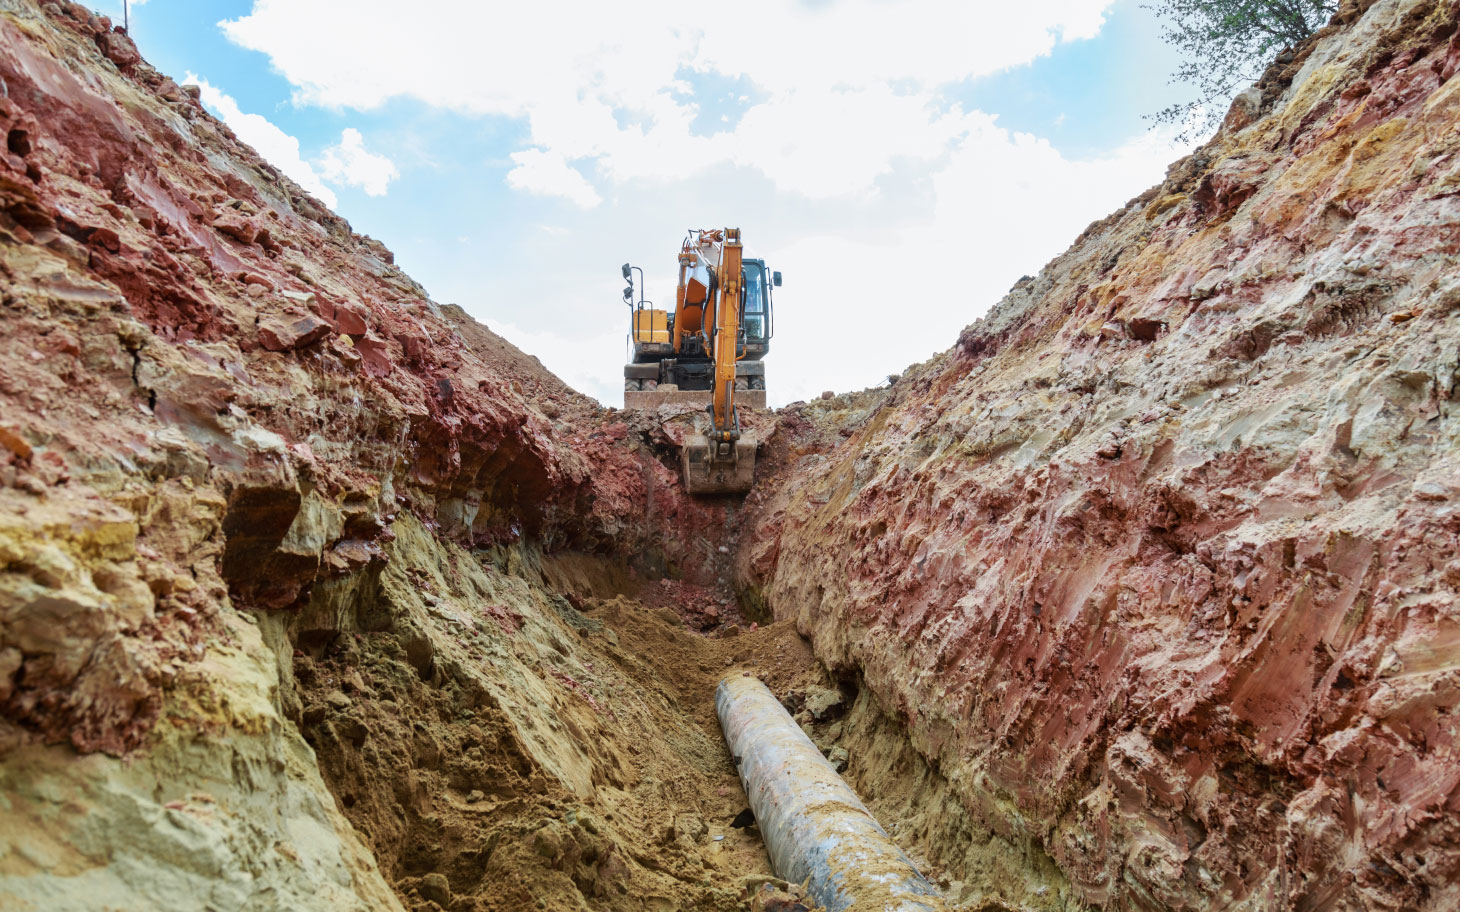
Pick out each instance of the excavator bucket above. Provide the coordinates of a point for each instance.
(718, 468)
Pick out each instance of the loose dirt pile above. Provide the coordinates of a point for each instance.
(500, 749)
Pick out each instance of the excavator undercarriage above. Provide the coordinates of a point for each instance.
(670, 394)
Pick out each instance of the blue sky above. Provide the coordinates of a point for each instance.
(903, 162)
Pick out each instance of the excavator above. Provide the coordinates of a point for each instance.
(707, 352)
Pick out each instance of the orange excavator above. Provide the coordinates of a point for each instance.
(708, 352)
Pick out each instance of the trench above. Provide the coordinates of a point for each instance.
(509, 730)
(1203, 668)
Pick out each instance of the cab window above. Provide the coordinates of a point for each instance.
(754, 314)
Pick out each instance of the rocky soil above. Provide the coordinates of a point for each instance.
(299, 569)
(316, 594)
(1157, 566)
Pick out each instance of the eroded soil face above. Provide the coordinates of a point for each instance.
(276, 625)
(500, 749)
(315, 594)
(1158, 563)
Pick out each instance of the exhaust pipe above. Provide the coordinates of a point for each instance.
(815, 828)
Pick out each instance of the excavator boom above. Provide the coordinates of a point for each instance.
(727, 329)
(722, 461)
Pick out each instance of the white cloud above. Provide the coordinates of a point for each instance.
(348, 163)
(849, 88)
(547, 174)
(1006, 203)
(277, 147)
(855, 137)
(897, 216)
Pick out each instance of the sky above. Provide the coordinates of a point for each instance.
(901, 162)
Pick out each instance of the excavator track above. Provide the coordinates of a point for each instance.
(649, 400)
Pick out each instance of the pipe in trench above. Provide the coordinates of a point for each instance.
(815, 828)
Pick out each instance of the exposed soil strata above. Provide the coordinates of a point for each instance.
(310, 394)
(228, 425)
(1157, 565)
(478, 728)
(316, 594)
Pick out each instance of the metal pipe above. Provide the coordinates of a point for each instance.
(815, 828)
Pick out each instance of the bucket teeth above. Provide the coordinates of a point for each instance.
(707, 470)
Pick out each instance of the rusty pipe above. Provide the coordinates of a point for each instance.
(815, 828)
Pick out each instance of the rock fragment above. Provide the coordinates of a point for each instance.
(287, 334)
(436, 888)
(15, 443)
(237, 227)
(350, 319)
(119, 49)
(824, 703)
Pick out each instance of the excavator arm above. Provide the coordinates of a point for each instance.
(721, 461)
(727, 332)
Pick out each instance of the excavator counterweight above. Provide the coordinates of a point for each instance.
(707, 352)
